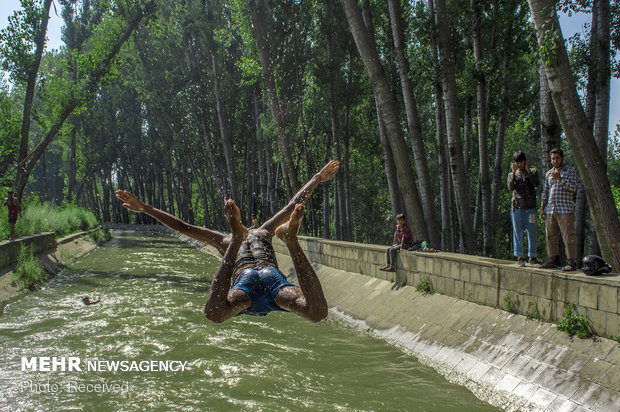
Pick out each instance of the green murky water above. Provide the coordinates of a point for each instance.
(153, 291)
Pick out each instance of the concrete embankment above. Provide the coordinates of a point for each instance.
(52, 253)
(506, 359)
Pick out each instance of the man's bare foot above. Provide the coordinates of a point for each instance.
(233, 214)
(288, 231)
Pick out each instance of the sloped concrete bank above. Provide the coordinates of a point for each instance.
(52, 253)
(506, 359)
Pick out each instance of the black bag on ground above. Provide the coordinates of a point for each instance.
(595, 265)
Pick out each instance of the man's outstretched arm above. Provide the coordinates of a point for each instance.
(212, 237)
(328, 172)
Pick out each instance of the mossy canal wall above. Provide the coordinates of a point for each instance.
(506, 359)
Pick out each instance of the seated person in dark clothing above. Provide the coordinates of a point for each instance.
(402, 240)
(258, 287)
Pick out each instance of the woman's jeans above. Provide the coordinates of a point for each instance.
(524, 219)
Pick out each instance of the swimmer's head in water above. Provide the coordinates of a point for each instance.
(85, 300)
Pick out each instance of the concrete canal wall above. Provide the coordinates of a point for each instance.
(506, 359)
(496, 283)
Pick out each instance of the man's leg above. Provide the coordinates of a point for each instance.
(567, 228)
(308, 301)
(552, 237)
(391, 258)
(517, 232)
(530, 217)
(281, 217)
(222, 302)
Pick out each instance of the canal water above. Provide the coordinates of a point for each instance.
(153, 289)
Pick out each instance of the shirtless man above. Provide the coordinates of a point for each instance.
(259, 287)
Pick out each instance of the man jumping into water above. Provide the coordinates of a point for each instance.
(259, 287)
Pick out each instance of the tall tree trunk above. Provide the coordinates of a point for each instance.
(550, 128)
(447, 229)
(33, 73)
(277, 108)
(413, 123)
(347, 140)
(455, 146)
(213, 161)
(502, 122)
(581, 204)
(72, 164)
(483, 130)
(575, 124)
(44, 167)
(396, 196)
(326, 208)
(603, 84)
(366, 47)
(272, 178)
(468, 131)
(227, 143)
(468, 103)
(333, 70)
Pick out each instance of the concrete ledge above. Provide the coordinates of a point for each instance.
(9, 250)
(528, 291)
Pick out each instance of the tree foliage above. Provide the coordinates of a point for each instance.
(182, 116)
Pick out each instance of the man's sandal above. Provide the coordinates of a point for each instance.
(547, 265)
(569, 268)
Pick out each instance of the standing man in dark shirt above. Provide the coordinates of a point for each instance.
(522, 181)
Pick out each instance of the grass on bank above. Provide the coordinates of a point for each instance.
(425, 286)
(102, 234)
(44, 217)
(575, 324)
(28, 274)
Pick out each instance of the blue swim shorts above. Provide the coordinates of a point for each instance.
(262, 285)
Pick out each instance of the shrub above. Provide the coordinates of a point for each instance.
(28, 274)
(425, 286)
(575, 324)
(102, 234)
(508, 304)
